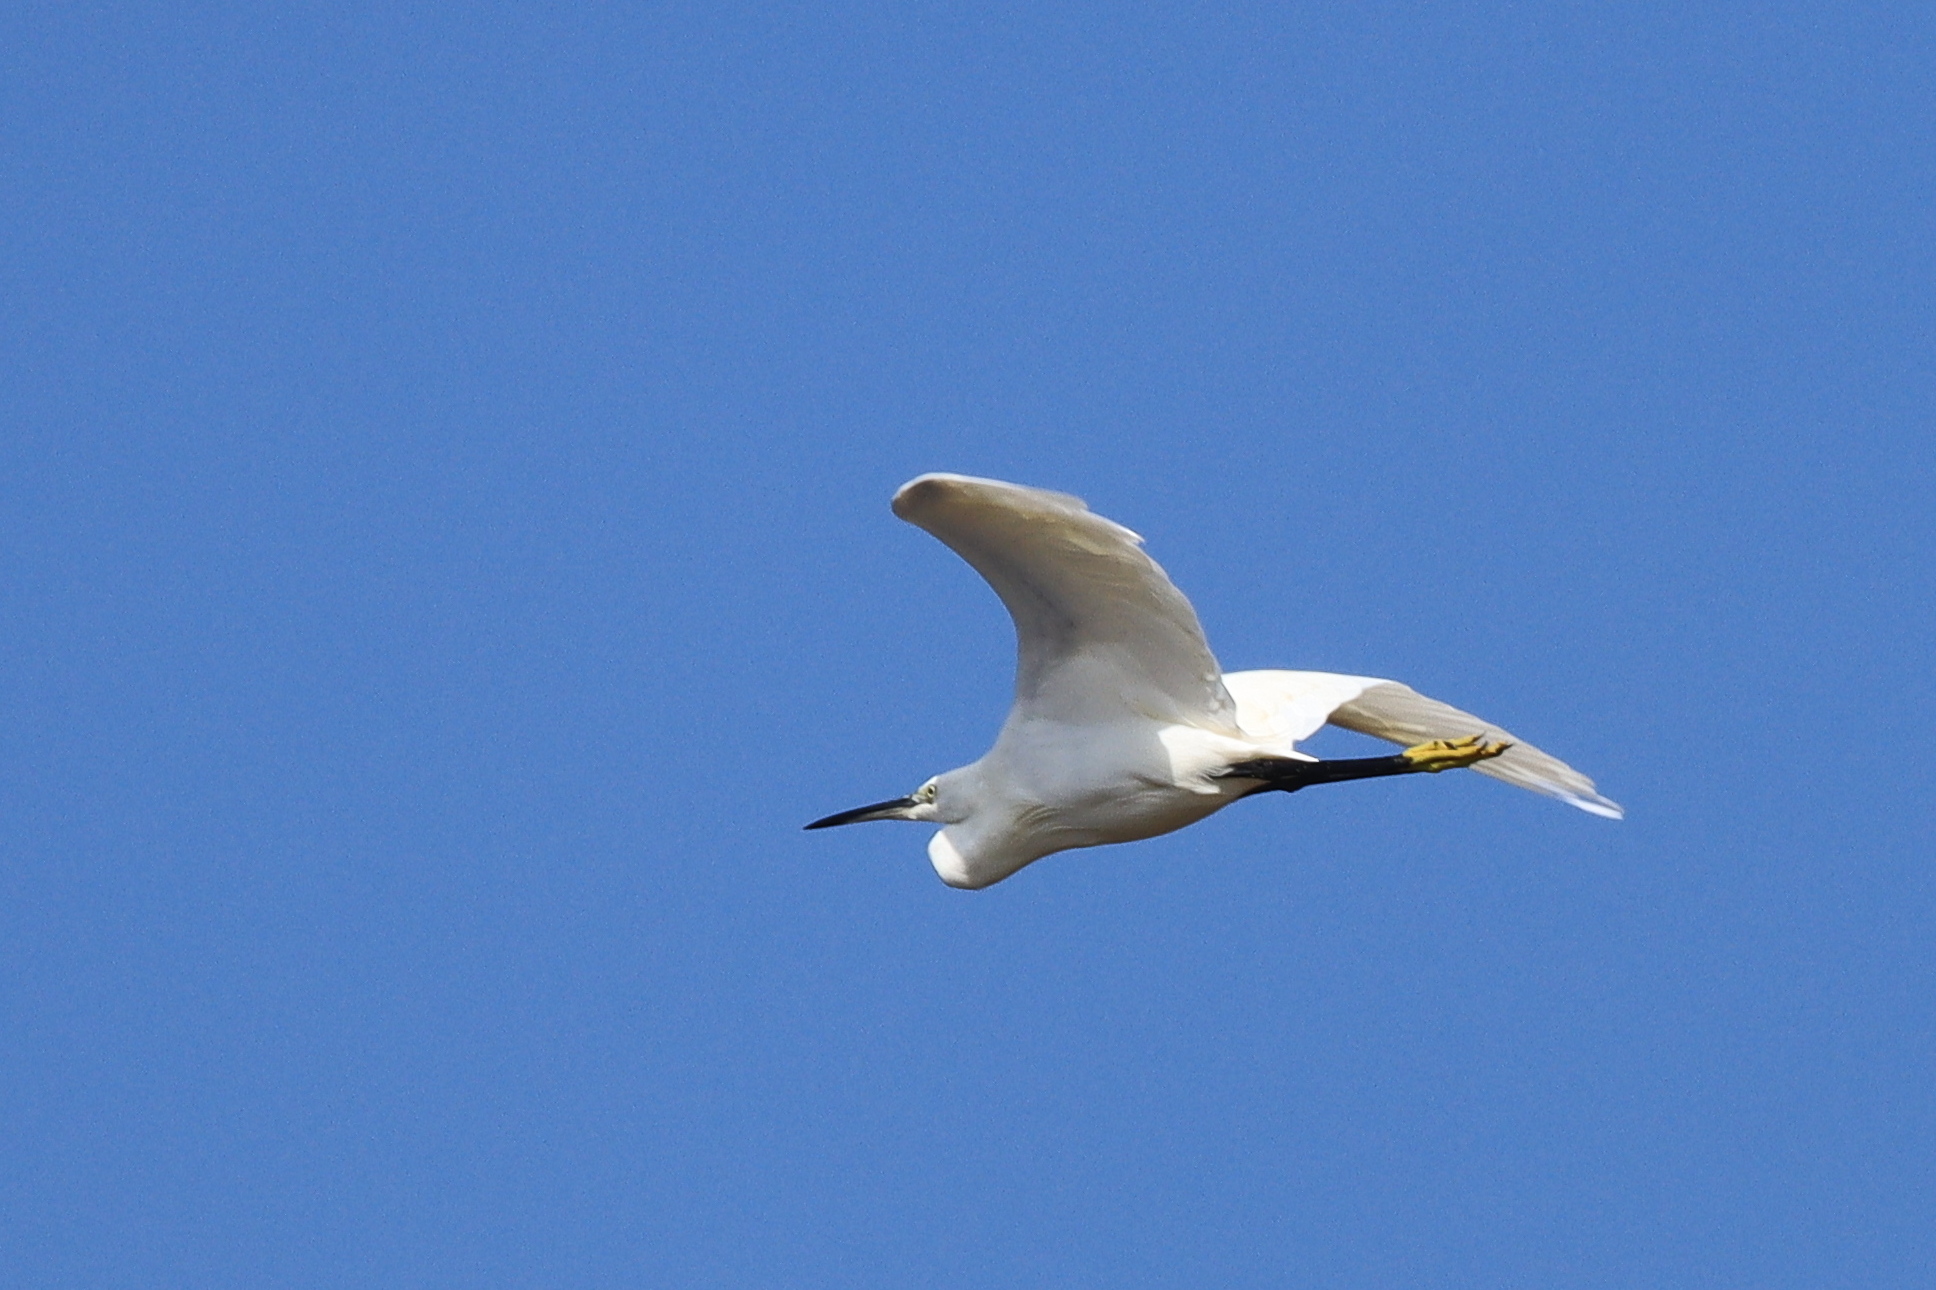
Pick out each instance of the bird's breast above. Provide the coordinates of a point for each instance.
(1085, 785)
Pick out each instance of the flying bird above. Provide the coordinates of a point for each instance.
(1123, 726)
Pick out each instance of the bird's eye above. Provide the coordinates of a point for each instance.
(926, 793)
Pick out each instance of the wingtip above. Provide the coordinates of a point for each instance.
(910, 494)
(933, 487)
(1605, 808)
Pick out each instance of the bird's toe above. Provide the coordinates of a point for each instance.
(1450, 754)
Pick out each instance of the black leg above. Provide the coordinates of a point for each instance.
(1286, 775)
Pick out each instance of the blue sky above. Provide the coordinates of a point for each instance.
(443, 496)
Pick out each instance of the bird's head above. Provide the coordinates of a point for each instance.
(930, 802)
(978, 848)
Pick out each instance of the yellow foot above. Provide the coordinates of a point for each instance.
(1450, 754)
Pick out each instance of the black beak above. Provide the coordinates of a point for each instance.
(862, 814)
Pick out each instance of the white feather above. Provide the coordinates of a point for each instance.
(1123, 725)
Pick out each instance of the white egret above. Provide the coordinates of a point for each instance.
(1123, 726)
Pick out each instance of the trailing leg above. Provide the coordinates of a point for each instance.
(1288, 775)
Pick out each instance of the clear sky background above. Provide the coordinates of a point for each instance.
(445, 558)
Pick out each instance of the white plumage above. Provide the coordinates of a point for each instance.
(1123, 725)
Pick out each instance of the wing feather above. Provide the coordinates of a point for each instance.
(1404, 716)
(1100, 629)
(1291, 705)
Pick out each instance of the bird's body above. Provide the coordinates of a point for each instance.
(1124, 727)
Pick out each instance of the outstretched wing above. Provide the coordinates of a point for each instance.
(1101, 631)
(1289, 706)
